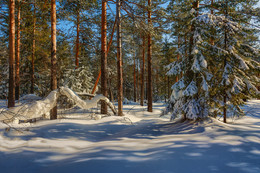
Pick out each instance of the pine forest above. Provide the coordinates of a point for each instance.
(130, 86)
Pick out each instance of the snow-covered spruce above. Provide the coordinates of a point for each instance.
(39, 108)
(79, 80)
(205, 79)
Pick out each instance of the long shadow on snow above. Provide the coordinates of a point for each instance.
(94, 133)
(147, 129)
(167, 157)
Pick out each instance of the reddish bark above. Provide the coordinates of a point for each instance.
(11, 91)
(17, 58)
(53, 114)
(108, 47)
(104, 55)
(96, 83)
(142, 73)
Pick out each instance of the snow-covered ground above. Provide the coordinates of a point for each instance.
(137, 143)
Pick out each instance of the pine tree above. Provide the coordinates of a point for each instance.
(17, 57)
(119, 60)
(11, 91)
(104, 55)
(53, 114)
(149, 61)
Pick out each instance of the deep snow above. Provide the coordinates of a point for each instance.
(147, 143)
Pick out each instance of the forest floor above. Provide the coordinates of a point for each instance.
(139, 142)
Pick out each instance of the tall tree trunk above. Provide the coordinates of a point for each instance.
(53, 114)
(108, 47)
(17, 58)
(33, 49)
(11, 91)
(225, 63)
(149, 61)
(119, 60)
(134, 81)
(110, 90)
(104, 55)
(143, 73)
(77, 44)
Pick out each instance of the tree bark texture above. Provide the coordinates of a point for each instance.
(142, 73)
(53, 114)
(104, 55)
(17, 58)
(11, 91)
(149, 61)
(119, 60)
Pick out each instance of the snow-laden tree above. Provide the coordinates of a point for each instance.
(79, 80)
(190, 94)
(215, 76)
(233, 65)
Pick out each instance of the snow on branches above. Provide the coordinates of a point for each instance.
(218, 63)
